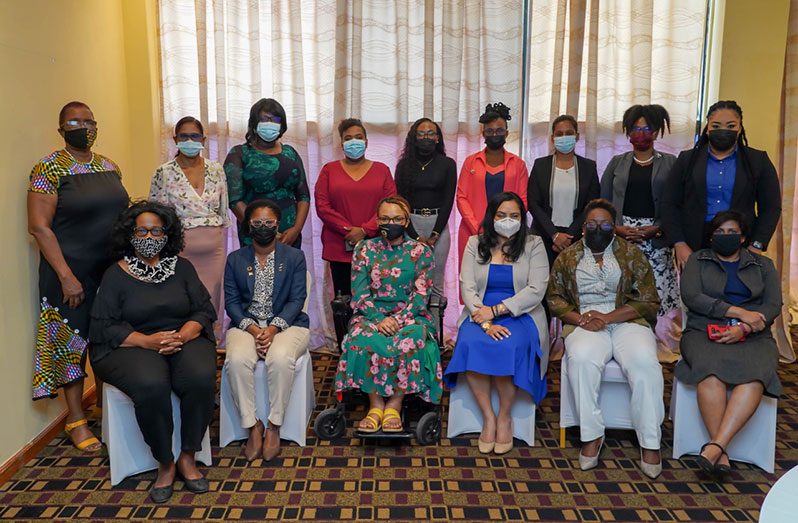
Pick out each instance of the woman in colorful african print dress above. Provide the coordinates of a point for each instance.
(390, 349)
(74, 198)
(266, 168)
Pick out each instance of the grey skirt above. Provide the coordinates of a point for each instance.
(755, 359)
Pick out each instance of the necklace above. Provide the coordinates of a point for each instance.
(643, 162)
(160, 272)
(424, 165)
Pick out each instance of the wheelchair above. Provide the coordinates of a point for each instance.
(420, 420)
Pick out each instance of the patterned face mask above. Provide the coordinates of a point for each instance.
(148, 247)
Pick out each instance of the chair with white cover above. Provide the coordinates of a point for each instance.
(297, 413)
(615, 399)
(465, 415)
(128, 454)
(755, 443)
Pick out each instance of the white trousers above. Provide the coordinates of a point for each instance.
(634, 347)
(240, 362)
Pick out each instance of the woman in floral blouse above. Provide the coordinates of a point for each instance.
(390, 349)
(197, 189)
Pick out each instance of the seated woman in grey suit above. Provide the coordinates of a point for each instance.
(265, 287)
(503, 336)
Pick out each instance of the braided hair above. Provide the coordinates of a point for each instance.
(703, 140)
(656, 117)
(404, 167)
(495, 111)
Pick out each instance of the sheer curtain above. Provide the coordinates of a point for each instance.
(385, 62)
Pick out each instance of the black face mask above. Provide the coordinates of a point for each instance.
(392, 231)
(722, 139)
(495, 142)
(80, 138)
(263, 235)
(598, 239)
(726, 244)
(425, 146)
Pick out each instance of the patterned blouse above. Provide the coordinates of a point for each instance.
(47, 173)
(170, 186)
(597, 283)
(252, 174)
(261, 306)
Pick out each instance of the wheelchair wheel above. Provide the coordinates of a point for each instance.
(428, 428)
(330, 424)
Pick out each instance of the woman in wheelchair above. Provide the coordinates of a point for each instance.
(732, 296)
(603, 290)
(152, 333)
(391, 348)
(265, 285)
(503, 335)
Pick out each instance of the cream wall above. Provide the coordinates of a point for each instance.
(752, 66)
(96, 51)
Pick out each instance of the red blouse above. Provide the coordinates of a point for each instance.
(342, 202)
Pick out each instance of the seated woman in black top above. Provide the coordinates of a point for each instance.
(427, 179)
(152, 333)
(738, 290)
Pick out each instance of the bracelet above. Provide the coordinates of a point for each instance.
(435, 234)
(493, 310)
(485, 325)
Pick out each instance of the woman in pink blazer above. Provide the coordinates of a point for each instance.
(488, 172)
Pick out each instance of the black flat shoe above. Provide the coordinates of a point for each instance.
(197, 486)
(161, 494)
(708, 466)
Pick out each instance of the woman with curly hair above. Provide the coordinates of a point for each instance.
(427, 179)
(152, 333)
(487, 173)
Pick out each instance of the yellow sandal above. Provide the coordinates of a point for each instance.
(374, 420)
(84, 445)
(392, 414)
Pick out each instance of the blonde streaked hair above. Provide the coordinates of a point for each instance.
(396, 200)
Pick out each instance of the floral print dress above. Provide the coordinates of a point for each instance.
(391, 281)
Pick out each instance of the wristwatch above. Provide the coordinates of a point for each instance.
(485, 325)
(757, 245)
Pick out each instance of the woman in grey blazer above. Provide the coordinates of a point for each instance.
(634, 182)
(503, 336)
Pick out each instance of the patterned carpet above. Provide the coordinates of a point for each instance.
(349, 480)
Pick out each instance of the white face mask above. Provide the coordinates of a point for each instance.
(507, 226)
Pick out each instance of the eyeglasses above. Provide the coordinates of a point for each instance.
(194, 137)
(262, 223)
(592, 225)
(495, 132)
(156, 232)
(428, 134)
(645, 129)
(384, 220)
(77, 124)
(270, 118)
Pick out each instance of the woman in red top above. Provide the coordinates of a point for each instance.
(488, 172)
(347, 193)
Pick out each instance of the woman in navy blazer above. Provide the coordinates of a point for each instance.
(265, 286)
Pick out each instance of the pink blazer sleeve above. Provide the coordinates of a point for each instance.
(522, 182)
(463, 190)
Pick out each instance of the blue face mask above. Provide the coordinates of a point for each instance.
(355, 149)
(565, 144)
(268, 131)
(189, 148)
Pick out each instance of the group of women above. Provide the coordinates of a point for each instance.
(143, 286)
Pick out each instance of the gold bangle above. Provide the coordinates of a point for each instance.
(485, 325)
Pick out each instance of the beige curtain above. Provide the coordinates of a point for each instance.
(385, 62)
(786, 256)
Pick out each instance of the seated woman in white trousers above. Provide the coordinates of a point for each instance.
(265, 286)
(603, 290)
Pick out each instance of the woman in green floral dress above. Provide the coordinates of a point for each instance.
(266, 168)
(390, 349)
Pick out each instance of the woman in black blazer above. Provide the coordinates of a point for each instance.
(560, 186)
(720, 173)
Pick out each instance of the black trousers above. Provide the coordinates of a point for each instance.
(149, 378)
(341, 277)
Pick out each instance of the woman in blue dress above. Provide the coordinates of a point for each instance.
(503, 339)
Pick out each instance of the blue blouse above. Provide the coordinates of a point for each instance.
(720, 183)
(736, 292)
(494, 183)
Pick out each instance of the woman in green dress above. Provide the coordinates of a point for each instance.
(391, 348)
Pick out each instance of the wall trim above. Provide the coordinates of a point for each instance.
(16, 462)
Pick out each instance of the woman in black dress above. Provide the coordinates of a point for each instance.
(152, 333)
(74, 198)
(738, 290)
(427, 179)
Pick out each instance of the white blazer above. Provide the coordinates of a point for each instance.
(530, 280)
